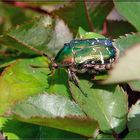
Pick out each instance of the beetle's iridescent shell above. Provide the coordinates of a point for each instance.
(65, 56)
(87, 55)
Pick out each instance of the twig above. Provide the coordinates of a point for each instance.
(88, 18)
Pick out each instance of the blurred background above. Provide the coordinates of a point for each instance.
(99, 16)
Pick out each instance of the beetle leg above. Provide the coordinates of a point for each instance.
(74, 78)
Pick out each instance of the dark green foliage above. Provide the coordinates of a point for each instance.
(39, 102)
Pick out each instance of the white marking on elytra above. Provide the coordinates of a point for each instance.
(92, 43)
(97, 39)
(108, 50)
(105, 42)
(94, 49)
(102, 59)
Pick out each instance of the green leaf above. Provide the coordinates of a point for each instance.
(26, 37)
(105, 136)
(102, 136)
(98, 13)
(106, 104)
(134, 116)
(127, 41)
(71, 15)
(55, 111)
(49, 105)
(59, 84)
(129, 64)
(20, 130)
(123, 44)
(21, 80)
(53, 133)
(82, 34)
(45, 34)
(61, 35)
(7, 64)
(124, 28)
(130, 11)
(133, 135)
(2, 122)
(10, 16)
(135, 85)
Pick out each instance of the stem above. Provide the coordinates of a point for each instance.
(87, 16)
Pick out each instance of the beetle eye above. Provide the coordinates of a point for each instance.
(66, 44)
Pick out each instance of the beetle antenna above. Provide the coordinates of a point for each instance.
(41, 53)
(44, 54)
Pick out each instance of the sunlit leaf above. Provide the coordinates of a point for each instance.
(21, 80)
(106, 104)
(127, 68)
(55, 111)
(26, 37)
(82, 34)
(134, 85)
(127, 41)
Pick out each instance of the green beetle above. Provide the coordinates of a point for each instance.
(87, 55)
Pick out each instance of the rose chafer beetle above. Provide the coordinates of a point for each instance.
(86, 55)
(94, 56)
